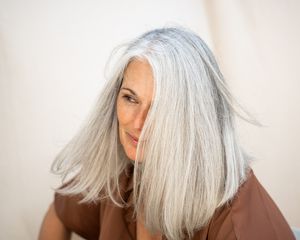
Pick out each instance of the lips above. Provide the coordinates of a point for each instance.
(135, 139)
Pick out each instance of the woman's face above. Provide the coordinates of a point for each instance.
(133, 102)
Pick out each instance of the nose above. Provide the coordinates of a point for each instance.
(140, 118)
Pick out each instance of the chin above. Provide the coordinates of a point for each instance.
(130, 153)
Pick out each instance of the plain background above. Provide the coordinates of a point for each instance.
(52, 58)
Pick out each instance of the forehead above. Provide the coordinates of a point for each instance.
(138, 76)
(138, 69)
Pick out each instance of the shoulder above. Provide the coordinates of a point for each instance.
(251, 214)
(82, 218)
(255, 215)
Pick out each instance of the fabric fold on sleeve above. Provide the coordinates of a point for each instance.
(82, 218)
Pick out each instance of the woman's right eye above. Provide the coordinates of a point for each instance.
(129, 99)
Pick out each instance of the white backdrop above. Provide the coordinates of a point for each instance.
(52, 57)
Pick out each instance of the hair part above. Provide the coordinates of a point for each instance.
(191, 160)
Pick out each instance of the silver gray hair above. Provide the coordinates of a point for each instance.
(191, 162)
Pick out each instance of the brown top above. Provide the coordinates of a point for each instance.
(251, 215)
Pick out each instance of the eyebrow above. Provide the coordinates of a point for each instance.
(130, 90)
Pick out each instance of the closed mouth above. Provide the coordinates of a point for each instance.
(133, 138)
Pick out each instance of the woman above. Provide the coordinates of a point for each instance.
(159, 158)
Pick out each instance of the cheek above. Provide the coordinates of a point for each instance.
(121, 114)
(125, 114)
(124, 120)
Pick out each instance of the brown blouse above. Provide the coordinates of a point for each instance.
(252, 215)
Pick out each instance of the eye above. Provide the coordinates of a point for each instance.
(129, 98)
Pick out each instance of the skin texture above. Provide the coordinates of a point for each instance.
(133, 102)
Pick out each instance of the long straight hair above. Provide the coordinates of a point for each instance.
(191, 162)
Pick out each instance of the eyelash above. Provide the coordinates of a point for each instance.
(129, 99)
